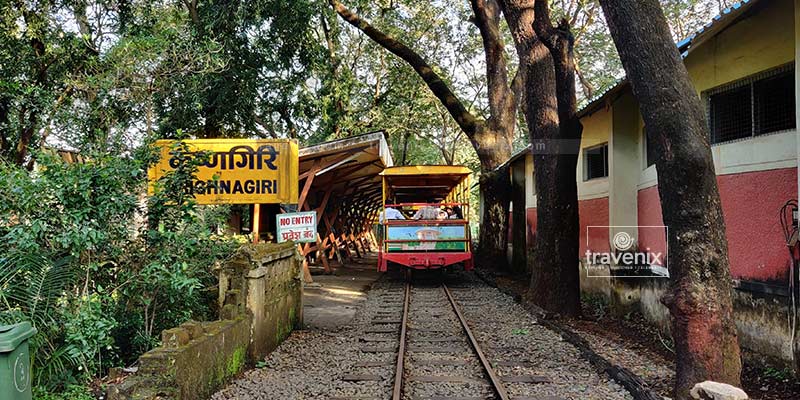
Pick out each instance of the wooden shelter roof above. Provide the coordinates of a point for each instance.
(340, 180)
(347, 167)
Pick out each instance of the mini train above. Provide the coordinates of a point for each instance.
(424, 223)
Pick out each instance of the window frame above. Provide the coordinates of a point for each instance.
(605, 154)
(749, 82)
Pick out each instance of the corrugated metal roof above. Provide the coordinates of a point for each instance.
(595, 102)
(519, 153)
(726, 16)
(717, 23)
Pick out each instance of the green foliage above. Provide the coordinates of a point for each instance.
(685, 17)
(93, 200)
(45, 281)
(87, 331)
(31, 286)
(98, 74)
(62, 228)
(165, 282)
(777, 373)
(71, 392)
(259, 41)
(99, 289)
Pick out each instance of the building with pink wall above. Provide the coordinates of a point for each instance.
(743, 67)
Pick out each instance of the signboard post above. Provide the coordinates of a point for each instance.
(300, 227)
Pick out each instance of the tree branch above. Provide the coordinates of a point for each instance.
(79, 13)
(191, 6)
(487, 19)
(466, 121)
(559, 41)
(263, 124)
(588, 89)
(518, 86)
(330, 40)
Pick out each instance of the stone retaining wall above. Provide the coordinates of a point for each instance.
(266, 280)
(260, 293)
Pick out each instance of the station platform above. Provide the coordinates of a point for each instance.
(330, 302)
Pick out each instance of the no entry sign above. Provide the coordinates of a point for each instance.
(298, 227)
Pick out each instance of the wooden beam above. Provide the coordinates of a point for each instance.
(323, 258)
(320, 247)
(337, 164)
(329, 221)
(355, 245)
(307, 185)
(328, 163)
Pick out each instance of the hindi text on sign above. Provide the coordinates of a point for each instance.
(235, 171)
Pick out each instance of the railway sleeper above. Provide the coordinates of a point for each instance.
(362, 378)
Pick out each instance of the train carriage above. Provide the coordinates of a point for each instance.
(425, 242)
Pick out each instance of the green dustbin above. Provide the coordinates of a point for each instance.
(15, 361)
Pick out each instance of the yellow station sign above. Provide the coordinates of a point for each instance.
(236, 171)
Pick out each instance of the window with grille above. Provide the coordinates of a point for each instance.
(754, 106)
(595, 160)
(774, 103)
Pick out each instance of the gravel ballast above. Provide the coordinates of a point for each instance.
(358, 361)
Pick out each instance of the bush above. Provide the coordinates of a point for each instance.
(97, 272)
(71, 392)
(87, 332)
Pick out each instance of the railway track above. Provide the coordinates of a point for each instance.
(442, 351)
(437, 356)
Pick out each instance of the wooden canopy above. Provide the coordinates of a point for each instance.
(340, 180)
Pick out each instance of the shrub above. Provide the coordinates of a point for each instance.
(97, 272)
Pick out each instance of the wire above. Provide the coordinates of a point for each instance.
(790, 229)
(787, 220)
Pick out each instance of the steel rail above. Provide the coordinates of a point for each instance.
(497, 385)
(401, 350)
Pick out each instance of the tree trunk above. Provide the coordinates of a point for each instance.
(406, 138)
(560, 44)
(5, 109)
(494, 149)
(493, 236)
(555, 279)
(699, 298)
(28, 128)
(211, 127)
